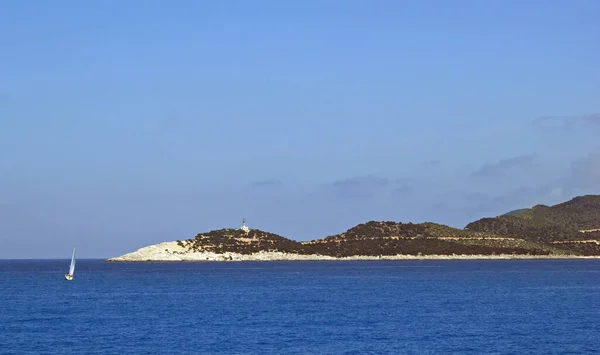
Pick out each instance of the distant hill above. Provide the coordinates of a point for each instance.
(392, 238)
(561, 222)
(369, 239)
(581, 212)
(238, 241)
(517, 213)
(374, 230)
(567, 229)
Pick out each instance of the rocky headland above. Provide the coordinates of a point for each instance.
(567, 230)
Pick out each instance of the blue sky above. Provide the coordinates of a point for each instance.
(123, 124)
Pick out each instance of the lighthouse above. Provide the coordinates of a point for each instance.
(244, 227)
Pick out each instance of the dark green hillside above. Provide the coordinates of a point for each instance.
(423, 246)
(516, 227)
(546, 224)
(582, 248)
(375, 230)
(391, 238)
(582, 212)
(440, 230)
(237, 241)
(541, 230)
(372, 239)
(517, 213)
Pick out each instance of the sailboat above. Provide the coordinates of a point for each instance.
(69, 275)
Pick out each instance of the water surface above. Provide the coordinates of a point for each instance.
(339, 307)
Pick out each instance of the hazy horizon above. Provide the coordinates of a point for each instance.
(124, 124)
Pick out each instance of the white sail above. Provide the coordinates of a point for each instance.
(72, 267)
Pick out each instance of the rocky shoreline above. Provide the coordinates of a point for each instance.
(173, 252)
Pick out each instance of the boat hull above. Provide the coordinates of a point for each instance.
(68, 277)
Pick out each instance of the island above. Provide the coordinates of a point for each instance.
(563, 231)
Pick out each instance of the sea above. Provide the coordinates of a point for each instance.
(318, 307)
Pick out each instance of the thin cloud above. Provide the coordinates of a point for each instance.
(357, 187)
(523, 197)
(583, 177)
(585, 173)
(432, 162)
(267, 183)
(503, 167)
(368, 181)
(566, 122)
(404, 191)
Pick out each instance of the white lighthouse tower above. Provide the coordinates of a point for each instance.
(244, 227)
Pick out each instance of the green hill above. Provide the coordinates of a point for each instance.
(392, 238)
(518, 212)
(561, 222)
(238, 241)
(541, 230)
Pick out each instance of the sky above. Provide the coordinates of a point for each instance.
(128, 123)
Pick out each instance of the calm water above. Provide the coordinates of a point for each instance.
(376, 307)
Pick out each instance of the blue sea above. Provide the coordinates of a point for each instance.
(341, 307)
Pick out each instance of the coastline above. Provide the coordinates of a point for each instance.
(171, 252)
